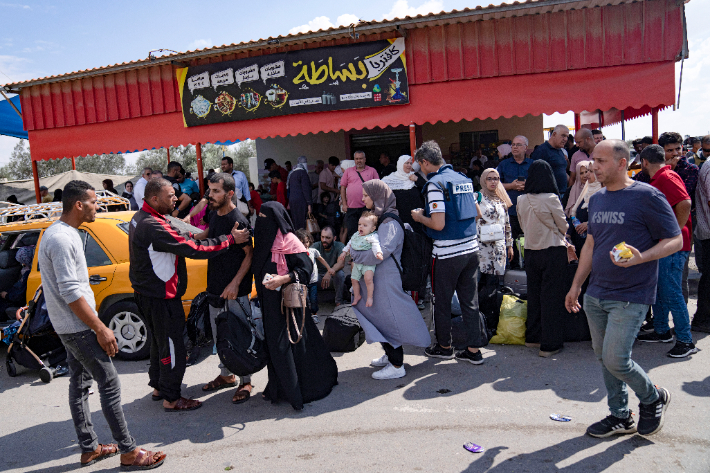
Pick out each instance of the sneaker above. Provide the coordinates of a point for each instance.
(435, 351)
(651, 415)
(467, 355)
(682, 349)
(612, 425)
(389, 372)
(548, 354)
(380, 362)
(315, 318)
(421, 306)
(655, 337)
(647, 327)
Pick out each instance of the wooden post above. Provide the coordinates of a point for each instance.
(412, 138)
(73, 163)
(654, 125)
(168, 150)
(577, 122)
(200, 172)
(35, 175)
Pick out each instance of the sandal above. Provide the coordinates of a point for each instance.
(145, 460)
(102, 452)
(242, 395)
(184, 404)
(217, 384)
(159, 397)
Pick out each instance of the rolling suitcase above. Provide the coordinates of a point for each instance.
(517, 280)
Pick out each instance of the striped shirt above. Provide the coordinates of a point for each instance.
(447, 248)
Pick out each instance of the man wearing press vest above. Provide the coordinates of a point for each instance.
(449, 217)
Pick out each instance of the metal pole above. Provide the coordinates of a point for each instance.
(2, 91)
(168, 150)
(73, 163)
(35, 175)
(200, 172)
(412, 138)
(654, 125)
(623, 128)
(577, 122)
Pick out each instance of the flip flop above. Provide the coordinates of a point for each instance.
(217, 384)
(241, 390)
(145, 460)
(159, 397)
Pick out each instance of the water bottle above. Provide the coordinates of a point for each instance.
(576, 223)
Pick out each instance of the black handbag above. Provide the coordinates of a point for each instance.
(239, 347)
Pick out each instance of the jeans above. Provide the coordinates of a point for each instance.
(614, 326)
(669, 297)
(337, 281)
(313, 297)
(234, 307)
(88, 361)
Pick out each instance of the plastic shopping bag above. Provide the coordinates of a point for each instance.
(511, 325)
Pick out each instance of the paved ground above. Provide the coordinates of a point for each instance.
(417, 423)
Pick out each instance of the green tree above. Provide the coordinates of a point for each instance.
(101, 164)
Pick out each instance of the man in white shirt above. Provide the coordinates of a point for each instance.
(139, 188)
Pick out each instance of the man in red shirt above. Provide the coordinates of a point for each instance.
(669, 296)
(351, 190)
(270, 165)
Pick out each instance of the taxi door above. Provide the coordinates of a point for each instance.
(101, 268)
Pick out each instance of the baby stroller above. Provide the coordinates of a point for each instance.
(36, 345)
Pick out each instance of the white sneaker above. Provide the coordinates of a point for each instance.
(390, 372)
(380, 362)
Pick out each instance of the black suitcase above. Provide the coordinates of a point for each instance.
(342, 331)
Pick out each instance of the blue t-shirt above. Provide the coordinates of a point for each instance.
(188, 186)
(640, 216)
(510, 171)
(556, 159)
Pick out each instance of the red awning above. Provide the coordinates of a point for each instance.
(597, 119)
(636, 86)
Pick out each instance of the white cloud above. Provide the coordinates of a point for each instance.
(200, 44)
(15, 5)
(15, 69)
(323, 23)
(7, 144)
(401, 8)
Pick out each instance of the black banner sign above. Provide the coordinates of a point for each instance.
(314, 80)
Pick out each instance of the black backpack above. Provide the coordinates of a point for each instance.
(416, 257)
(239, 348)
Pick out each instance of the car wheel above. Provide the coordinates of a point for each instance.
(131, 331)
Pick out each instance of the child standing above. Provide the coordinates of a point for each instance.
(314, 255)
(366, 238)
(280, 188)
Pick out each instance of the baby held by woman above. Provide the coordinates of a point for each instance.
(366, 238)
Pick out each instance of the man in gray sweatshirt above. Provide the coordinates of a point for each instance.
(89, 343)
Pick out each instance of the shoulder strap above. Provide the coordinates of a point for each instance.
(401, 224)
(358, 173)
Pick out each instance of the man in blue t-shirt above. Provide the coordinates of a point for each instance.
(620, 293)
(551, 151)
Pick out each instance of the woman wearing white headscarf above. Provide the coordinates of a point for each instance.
(492, 257)
(580, 208)
(406, 186)
(582, 174)
(300, 200)
(504, 151)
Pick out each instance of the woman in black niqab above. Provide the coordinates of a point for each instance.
(540, 179)
(306, 371)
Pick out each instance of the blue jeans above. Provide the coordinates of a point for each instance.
(669, 297)
(313, 297)
(614, 326)
(88, 361)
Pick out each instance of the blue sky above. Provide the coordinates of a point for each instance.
(42, 38)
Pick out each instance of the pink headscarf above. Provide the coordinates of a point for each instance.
(285, 246)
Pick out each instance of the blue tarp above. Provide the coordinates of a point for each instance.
(10, 121)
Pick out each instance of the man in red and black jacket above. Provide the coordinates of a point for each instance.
(159, 278)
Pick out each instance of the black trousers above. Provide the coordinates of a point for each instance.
(546, 271)
(459, 274)
(516, 230)
(395, 355)
(702, 315)
(166, 321)
(351, 218)
(488, 299)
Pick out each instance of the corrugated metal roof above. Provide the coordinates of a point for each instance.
(339, 35)
(442, 47)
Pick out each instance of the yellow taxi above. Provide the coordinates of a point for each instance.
(107, 257)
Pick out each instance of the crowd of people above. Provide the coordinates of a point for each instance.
(566, 201)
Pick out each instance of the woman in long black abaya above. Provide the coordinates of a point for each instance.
(303, 372)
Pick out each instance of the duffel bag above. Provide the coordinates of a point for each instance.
(342, 331)
(239, 347)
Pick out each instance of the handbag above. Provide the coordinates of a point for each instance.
(491, 232)
(294, 297)
(312, 224)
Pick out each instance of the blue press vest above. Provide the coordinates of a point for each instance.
(459, 204)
